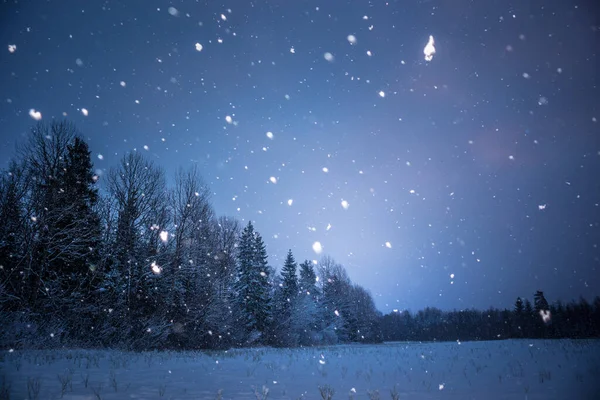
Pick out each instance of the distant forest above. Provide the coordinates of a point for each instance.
(143, 265)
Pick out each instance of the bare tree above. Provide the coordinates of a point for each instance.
(138, 189)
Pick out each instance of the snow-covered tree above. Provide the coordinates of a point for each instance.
(252, 285)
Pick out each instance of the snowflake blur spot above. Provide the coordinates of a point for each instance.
(146, 147)
(337, 313)
(85, 112)
(429, 49)
(345, 204)
(122, 83)
(12, 48)
(441, 386)
(325, 169)
(199, 47)
(100, 157)
(381, 93)
(317, 248)
(173, 11)
(290, 202)
(546, 316)
(351, 39)
(155, 268)
(35, 114)
(328, 56)
(228, 119)
(388, 245)
(542, 207)
(270, 135)
(164, 236)
(273, 179)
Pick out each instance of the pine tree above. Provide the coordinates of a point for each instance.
(308, 279)
(252, 286)
(289, 279)
(519, 307)
(243, 284)
(80, 194)
(262, 288)
(540, 302)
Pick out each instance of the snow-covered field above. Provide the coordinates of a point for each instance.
(512, 369)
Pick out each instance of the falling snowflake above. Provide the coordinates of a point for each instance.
(328, 227)
(345, 204)
(546, 316)
(12, 48)
(273, 179)
(100, 157)
(173, 11)
(337, 313)
(228, 119)
(388, 245)
(351, 39)
(155, 268)
(35, 114)
(199, 47)
(223, 17)
(451, 276)
(381, 93)
(325, 169)
(441, 386)
(270, 135)
(122, 83)
(369, 53)
(146, 147)
(328, 56)
(317, 248)
(290, 202)
(542, 207)
(85, 112)
(429, 49)
(164, 236)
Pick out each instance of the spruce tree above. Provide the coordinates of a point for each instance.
(540, 302)
(252, 285)
(289, 279)
(262, 273)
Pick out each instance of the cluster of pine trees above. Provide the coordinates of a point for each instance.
(540, 320)
(143, 265)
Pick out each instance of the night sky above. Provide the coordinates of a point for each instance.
(463, 181)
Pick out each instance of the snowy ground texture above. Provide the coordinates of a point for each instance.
(512, 369)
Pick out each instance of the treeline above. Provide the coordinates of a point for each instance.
(144, 265)
(540, 320)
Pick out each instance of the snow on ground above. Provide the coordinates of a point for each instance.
(511, 369)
